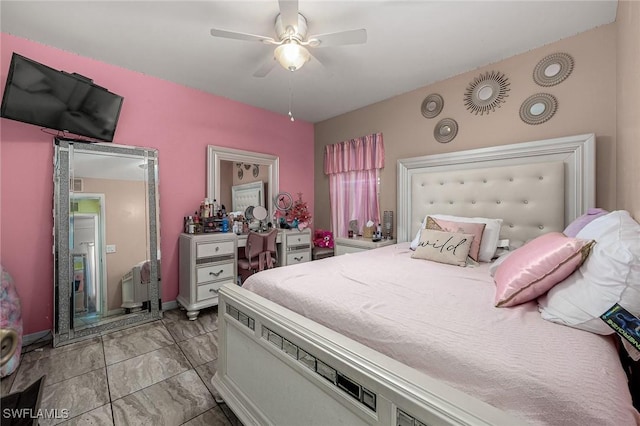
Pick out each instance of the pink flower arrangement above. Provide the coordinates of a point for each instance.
(299, 213)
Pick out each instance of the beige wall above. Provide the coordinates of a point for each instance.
(628, 107)
(227, 170)
(126, 226)
(229, 177)
(586, 104)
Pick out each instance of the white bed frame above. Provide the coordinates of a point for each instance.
(276, 367)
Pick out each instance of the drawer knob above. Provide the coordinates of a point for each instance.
(216, 274)
(217, 248)
(213, 290)
(298, 259)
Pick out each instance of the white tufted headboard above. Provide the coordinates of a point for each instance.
(247, 194)
(535, 187)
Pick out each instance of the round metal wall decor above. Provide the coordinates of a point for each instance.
(432, 105)
(446, 130)
(553, 69)
(538, 108)
(486, 92)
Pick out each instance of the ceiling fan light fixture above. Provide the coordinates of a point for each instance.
(291, 55)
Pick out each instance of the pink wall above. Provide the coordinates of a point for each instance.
(180, 122)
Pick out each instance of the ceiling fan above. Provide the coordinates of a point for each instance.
(291, 39)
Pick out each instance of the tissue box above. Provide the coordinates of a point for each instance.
(367, 231)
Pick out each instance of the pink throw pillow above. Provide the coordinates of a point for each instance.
(475, 229)
(537, 266)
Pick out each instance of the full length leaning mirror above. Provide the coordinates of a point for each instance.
(106, 238)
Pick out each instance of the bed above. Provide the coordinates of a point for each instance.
(379, 338)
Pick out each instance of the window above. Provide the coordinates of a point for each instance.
(353, 168)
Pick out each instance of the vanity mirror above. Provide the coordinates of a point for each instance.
(106, 238)
(222, 176)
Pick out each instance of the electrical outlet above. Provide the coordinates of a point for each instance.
(111, 248)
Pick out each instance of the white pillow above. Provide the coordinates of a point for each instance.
(611, 274)
(490, 235)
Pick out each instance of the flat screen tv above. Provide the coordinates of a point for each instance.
(39, 95)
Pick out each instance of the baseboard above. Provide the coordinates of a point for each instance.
(167, 306)
(40, 336)
(45, 335)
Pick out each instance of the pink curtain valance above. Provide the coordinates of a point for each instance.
(365, 153)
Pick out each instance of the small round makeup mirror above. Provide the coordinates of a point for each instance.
(260, 213)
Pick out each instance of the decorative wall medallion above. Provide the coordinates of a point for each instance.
(256, 170)
(538, 108)
(486, 92)
(432, 105)
(553, 69)
(240, 173)
(445, 130)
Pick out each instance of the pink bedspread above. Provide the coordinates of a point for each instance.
(440, 320)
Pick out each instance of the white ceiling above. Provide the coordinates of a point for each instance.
(102, 165)
(410, 43)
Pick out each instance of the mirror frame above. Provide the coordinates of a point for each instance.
(63, 332)
(215, 154)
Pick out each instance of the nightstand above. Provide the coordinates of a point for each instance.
(356, 244)
(296, 246)
(207, 262)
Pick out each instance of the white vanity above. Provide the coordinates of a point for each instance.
(208, 261)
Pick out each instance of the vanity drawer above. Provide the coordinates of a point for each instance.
(298, 257)
(217, 248)
(215, 272)
(299, 240)
(207, 291)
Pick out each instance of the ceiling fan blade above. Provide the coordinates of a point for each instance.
(289, 13)
(242, 36)
(322, 66)
(266, 67)
(339, 39)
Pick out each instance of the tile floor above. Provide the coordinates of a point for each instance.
(157, 374)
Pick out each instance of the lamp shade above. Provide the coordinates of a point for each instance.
(291, 55)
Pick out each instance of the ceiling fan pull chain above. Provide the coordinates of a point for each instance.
(290, 97)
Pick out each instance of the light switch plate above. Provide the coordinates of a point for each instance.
(111, 248)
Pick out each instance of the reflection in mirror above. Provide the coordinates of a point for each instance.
(106, 238)
(552, 70)
(223, 174)
(445, 130)
(537, 108)
(431, 106)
